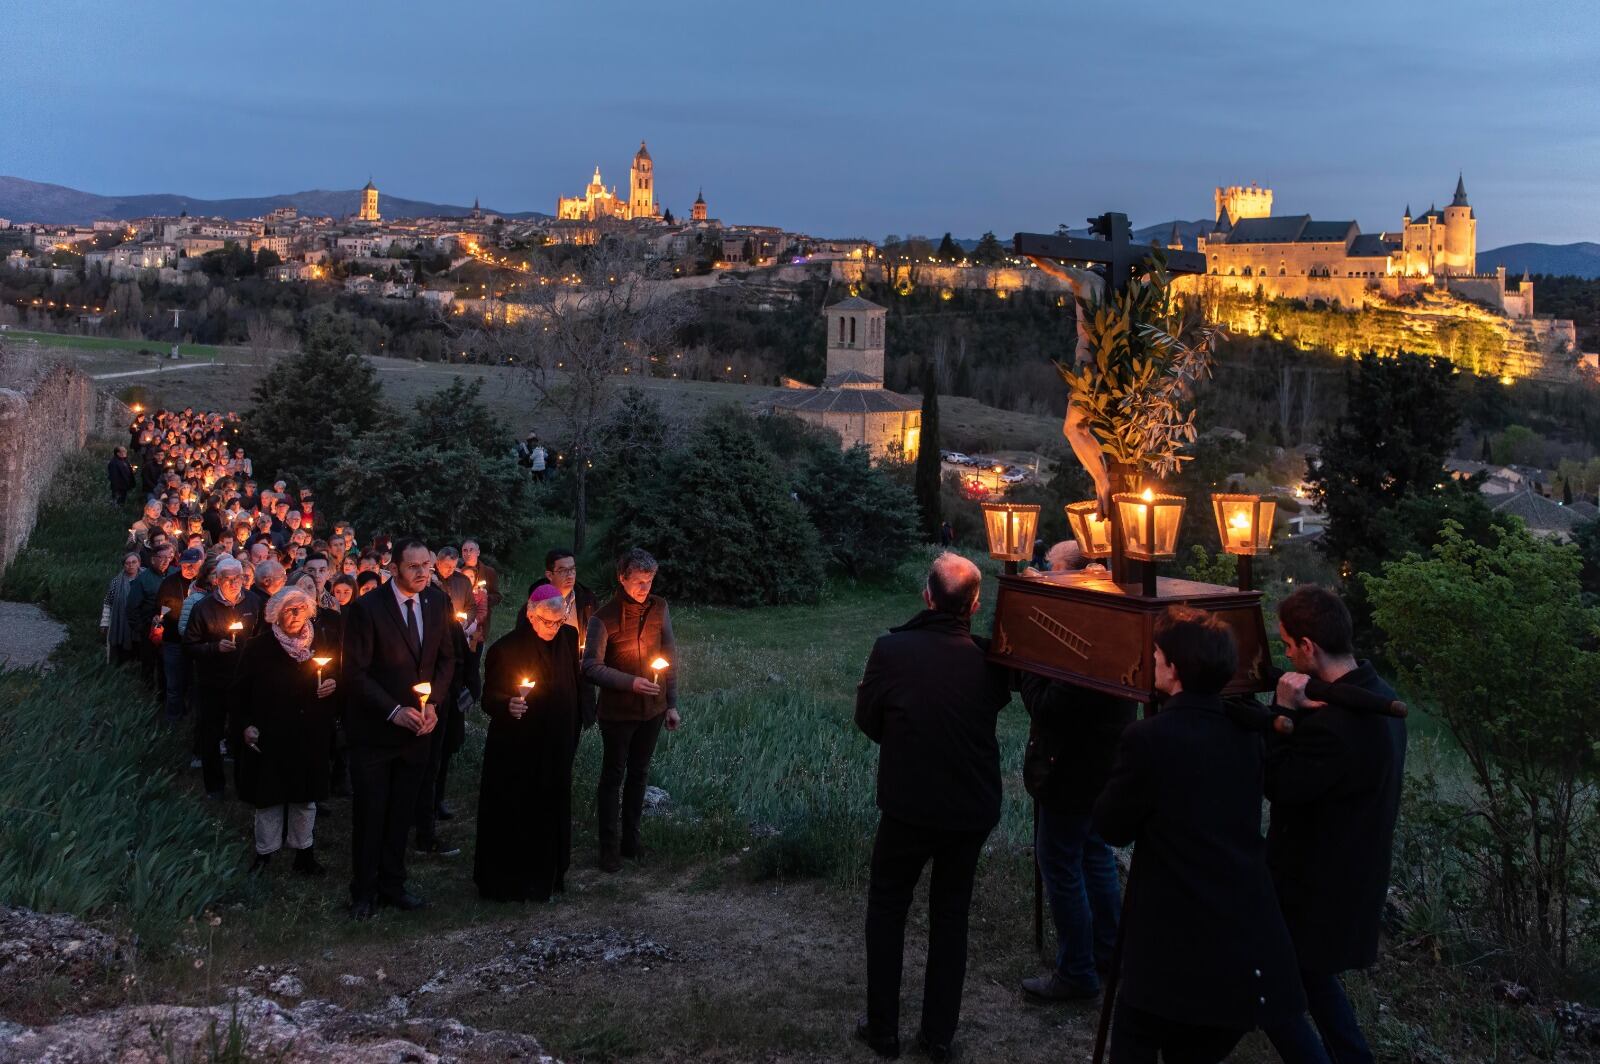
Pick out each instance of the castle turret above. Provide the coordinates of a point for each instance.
(1236, 201)
(642, 185)
(1175, 239)
(1460, 234)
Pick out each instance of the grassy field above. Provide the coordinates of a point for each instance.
(221, 378)
(738, 938)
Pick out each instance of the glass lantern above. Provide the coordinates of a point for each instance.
(1244, 523)
(1149, 522)
(1011, 527)
(1090, 528)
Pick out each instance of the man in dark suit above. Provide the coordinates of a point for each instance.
(120, 474)
(394, 639)
(1206, 956)
(929, 699)
(1335, 786)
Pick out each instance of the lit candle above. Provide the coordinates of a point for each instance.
(526, 685)
(1239, 530)
(321, 663)
(423, 690)
(658, 665)
(462, 617)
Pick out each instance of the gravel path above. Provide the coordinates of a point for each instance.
(27, 635)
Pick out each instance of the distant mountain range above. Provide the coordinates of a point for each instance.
(33, 201)
(1576, 260)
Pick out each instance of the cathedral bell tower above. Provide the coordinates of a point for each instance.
(642, 185)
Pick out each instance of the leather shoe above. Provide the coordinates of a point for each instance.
(938, 1052)
(439, 848)
(1054, 988)
(364, 909)
(888, 1048)
(405, 901)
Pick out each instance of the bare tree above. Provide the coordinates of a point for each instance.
(577, 338)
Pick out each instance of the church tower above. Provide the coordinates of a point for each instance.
(697, 213)
(1460, 234)
(369, 203)
(855, 342)
(642, 185)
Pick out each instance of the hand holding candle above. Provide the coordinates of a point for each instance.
(322, 663)
(233, 636)
(519, 705)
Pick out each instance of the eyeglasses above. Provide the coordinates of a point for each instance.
(564, 570)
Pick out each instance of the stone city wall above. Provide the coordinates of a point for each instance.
(42, 420)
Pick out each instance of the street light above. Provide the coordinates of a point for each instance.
(1149, 522)
(1244, 525)
(1010, 526)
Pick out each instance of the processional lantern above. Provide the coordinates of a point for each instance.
(1090, 528)
(1244, 525)
(1011, 527)
(1149, 521)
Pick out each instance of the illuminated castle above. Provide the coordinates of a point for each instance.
(599, 202)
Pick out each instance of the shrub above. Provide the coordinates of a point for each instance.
(720, 519)
(864, 519)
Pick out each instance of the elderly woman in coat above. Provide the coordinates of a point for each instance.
(284, 699)
(116, 612)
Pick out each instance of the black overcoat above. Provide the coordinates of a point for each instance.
(278, 695)
(930, 700)
(1335, 787)
(525, 801)
(1204, 940)
(381, 668)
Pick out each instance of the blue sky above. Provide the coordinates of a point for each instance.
(865, 118)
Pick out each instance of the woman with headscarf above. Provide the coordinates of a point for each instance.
(115, 612)
(288, 725)
(530, 692)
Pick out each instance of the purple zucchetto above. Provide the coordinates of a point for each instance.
(543, 592)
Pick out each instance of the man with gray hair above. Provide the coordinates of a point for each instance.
(269, 580)
(929, 699)
(218, 625)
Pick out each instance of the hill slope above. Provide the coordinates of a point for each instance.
(22, 200)
(1575, 260)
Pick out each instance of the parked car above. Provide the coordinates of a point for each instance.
(955, 457)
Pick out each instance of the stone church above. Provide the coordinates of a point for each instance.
(852, 400)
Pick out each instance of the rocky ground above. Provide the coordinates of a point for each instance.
(28, 635)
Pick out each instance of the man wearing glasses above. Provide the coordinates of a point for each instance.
(561, 571)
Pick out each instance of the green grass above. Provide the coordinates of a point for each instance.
(112, 343)
(92, 819)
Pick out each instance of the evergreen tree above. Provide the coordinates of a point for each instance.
(311, 405)
(948, 250)
(989, 252)
(929, 467)
(1399, 424)
(863, 517)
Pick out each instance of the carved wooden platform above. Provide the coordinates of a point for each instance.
(1084, 629)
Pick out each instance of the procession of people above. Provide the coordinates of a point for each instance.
(320, 668)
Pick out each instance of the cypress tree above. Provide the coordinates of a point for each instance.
(929, 469)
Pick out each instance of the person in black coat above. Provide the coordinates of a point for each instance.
(561, 571)
(930, 700)
(394, 638)
(525, 802)
(1334, 784)
(286, 725)
(120, 473)
(218, 626)
(1206, 955)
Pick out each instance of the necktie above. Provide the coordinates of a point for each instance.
(411, 625)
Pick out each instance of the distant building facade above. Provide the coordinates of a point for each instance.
(598, 202)
(369, 204)
(852, 400)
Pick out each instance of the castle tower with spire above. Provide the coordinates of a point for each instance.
(1460, 234)
(697, 213)
(642, 185)
(369, 204)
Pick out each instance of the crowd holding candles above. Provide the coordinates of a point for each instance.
(322, 670)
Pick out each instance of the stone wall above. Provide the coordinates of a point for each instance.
(42, 420)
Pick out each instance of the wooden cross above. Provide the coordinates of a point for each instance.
(1111, 246)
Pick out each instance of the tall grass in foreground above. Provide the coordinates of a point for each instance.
(92, 821)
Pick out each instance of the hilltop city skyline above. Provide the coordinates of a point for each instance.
(834, 120)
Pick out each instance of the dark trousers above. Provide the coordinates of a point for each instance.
(899, 854)
(152, 669)
(1140, 1037)
(425, 813)
(210, 722)
(624, 771)
(1336, 1033)
(1080, 879)
(385, 781)
(178, 668)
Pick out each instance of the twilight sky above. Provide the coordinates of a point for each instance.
(838, 119)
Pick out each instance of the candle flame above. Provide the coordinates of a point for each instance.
(423, 689)
(1148, 496)
(525, 682)
(659, 663)
(461, 616)
(321, 661)
(236, 626)
(1240, 519)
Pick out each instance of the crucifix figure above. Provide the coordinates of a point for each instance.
(1073, 261)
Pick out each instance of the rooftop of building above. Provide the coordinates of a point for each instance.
(857, 400)
(855, 303)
